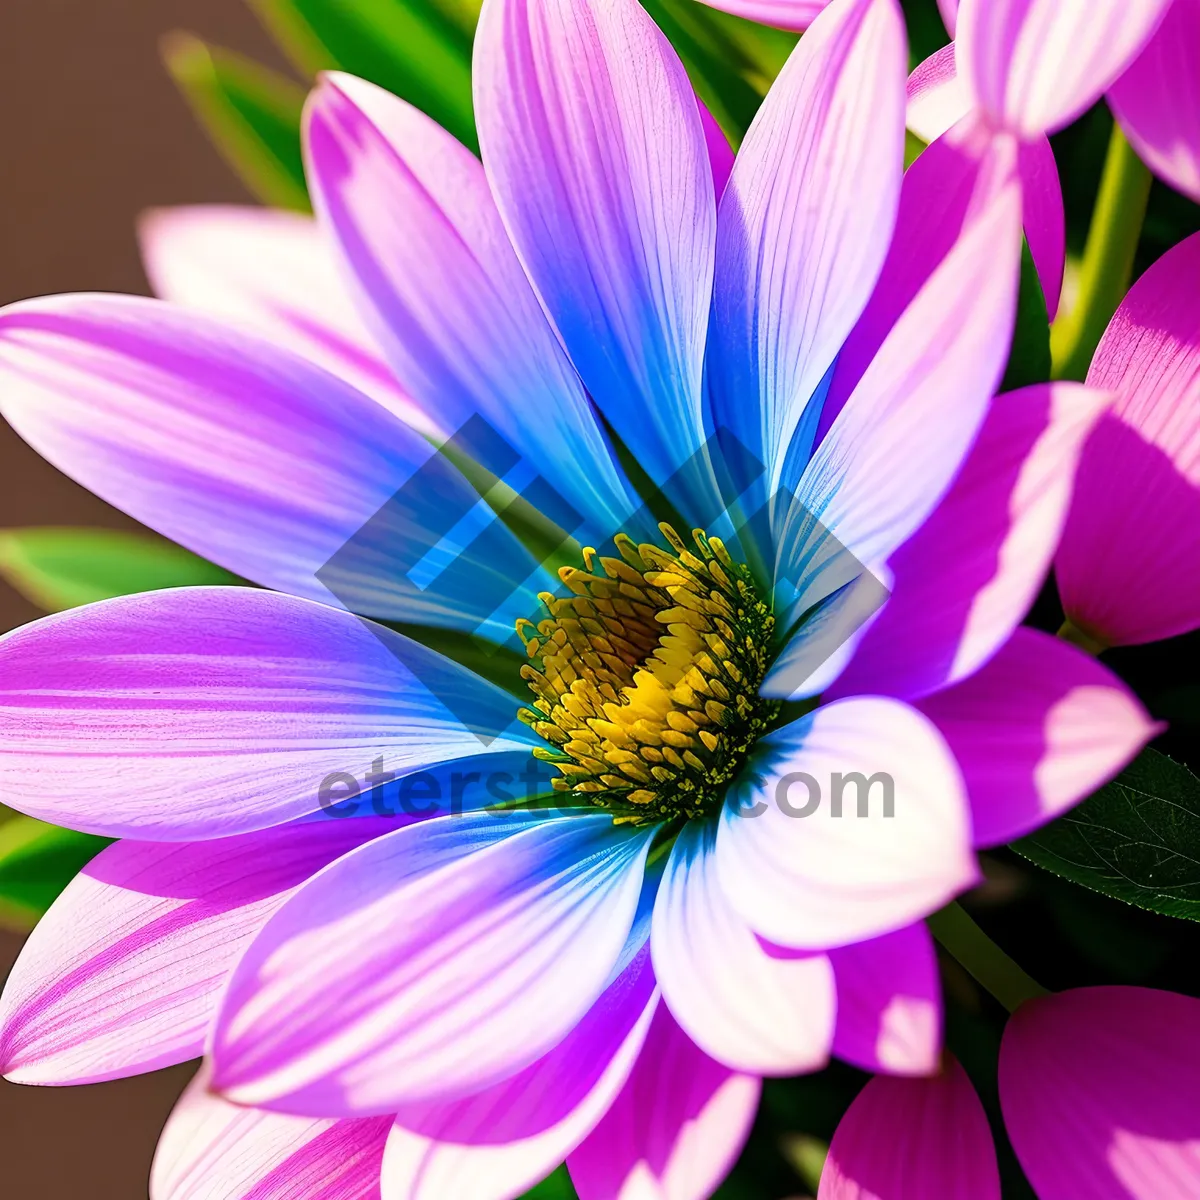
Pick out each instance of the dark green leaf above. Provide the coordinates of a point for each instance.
(59, 568)
(557, 1187)
(1029, 359)
(36, 862)
(419, 49)
(252, 115)
(1137, 839)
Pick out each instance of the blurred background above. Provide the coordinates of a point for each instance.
(94, 131)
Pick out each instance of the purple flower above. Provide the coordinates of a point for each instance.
(1098, 1088)
(452, 1004)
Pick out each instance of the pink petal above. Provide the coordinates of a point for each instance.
(596, 153)
(675, 1129)
(1035, 65)
(969, 575)
(889, 1003)
(409, 209)
(1129, 565)
(1157, 100)
(895, 448)
(913, 1139)
(247, 454)
(720, 152)
(1113, 1073)
(937, 99)
(796, 15)
(804, 226)
(122, 974)
(1035, 731)
(495, 1145)
(821, 880)
(211, 1148)
(270, 270)
(750, 1011)
(949, 11)
(407, 972)
(197, 713)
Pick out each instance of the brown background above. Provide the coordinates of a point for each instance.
(91, 132)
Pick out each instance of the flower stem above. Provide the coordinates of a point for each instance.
(1107, 259)
(982, 958)
(1070, 632)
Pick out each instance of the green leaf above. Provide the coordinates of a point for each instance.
(556, 1187)
(36, 862)
(1029, 359)
(251, 113)
(1137, 839)
(419, 49)
(60, 568)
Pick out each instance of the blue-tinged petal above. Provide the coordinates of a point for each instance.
(430, 964)
(596, 153)
(202, 712)
(253, 457)
(410, 210)
(804, 227)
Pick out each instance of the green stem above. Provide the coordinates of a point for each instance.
(1107, 259)
(1070, 632)
(982, 958)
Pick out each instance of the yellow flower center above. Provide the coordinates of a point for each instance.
(646, 677)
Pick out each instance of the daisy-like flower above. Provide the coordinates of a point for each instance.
(607, 314)
(1098, 1088)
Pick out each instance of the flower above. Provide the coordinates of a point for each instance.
(1097, 1087)
(454, 1001)
(1127, 566)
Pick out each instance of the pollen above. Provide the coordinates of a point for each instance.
(645, 677)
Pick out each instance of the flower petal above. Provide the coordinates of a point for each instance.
(804, 227)
(1157, 100)
(502, 1141)
(720, 152)
(949, 11)
(1113, 1073)
(251, 456)
(796, 15)
(211, 1148)
(969, 575)
(410, 211)
(407, 971)
(196, 713)
(1035, 65)
(911, 1139)
(937, 99)
(1035, 731)
(270, 270)
(123, 972)
(895, 448)
(676, 1128)
(595, 150)
(750, 1011)
(889, 1003)
(1129, 566)
(811, 874)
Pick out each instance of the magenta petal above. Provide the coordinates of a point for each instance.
(496, 1144)
(720, 152)
(1035, 731)
(1129, 565)
(796, 15)
(410, 210)
(123, 973)
(1035, 65)
(596, 154)
(676, 1128)
(804, 877)
(407, 972)
(914, 1139)
(804, 227)
(1157, 100)
(270, 270)
(213, 1150)
(968, 576)
(754, 1012)
(1113, 1074)
(197, 713)
(889, 1003)
(949, 11)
